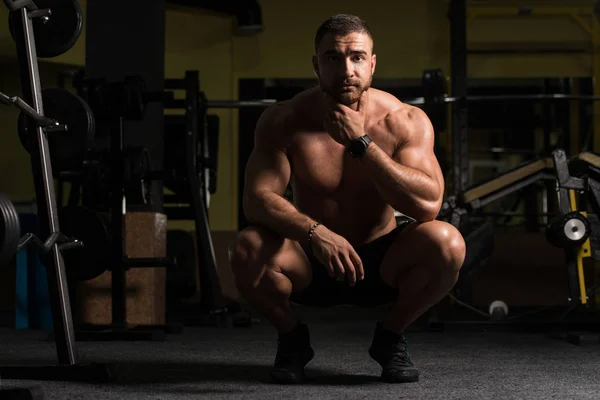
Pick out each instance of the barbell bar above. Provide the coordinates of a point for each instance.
(180, 103)
(239, 103)
(500, 97)
(417, 101)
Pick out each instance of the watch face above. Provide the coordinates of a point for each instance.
(357, 147)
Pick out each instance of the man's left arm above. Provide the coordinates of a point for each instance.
(411, 180)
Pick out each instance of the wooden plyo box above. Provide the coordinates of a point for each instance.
(145, 237)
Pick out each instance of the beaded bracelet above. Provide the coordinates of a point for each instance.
(311, 231)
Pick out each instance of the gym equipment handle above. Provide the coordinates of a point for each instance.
(64, 242)
(47, 123)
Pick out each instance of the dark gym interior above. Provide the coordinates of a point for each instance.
(127, 128)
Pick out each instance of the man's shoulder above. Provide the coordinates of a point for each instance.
(385, 100)
(389, 105)
(399, 118)
(303, 102)
(286, 113)
(277, 123)
(276, 117)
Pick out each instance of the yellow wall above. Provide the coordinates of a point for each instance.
(410, 36)
(406, 38)
(561, 31)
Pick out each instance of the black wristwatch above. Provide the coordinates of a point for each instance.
(358, 147)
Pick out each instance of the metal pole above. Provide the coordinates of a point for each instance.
(210, 287)
(118, 200)
(571, 115)
(45, 196)
(596, 106)
(596, 82)
(458, 69)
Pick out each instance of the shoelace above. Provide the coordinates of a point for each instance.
(400, 355)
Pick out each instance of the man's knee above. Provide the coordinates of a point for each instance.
(441, 243)
(450, 245)
(251, 250)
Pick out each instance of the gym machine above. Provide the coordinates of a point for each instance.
(192, 178)
(461, 210)
(123, 172)
(465, 206)
(575, 231)
(104, 181)
(39, 32)
(190, 173)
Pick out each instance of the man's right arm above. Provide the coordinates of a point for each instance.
(267, 175)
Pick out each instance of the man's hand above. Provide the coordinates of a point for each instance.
(343, 123)
(338, 255)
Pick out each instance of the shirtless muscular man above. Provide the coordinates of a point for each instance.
(353, 155)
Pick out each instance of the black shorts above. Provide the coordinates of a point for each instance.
(324, 291)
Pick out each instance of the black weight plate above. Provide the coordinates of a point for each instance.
(10, 230)
(91, 228)
(67, 148)
(59, 33)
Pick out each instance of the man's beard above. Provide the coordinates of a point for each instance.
(347, 98)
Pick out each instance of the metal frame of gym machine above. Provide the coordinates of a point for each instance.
(69, 367)
(213, 308)
(119, 329)
(460, 16)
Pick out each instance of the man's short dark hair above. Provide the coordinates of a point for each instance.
(341, 25)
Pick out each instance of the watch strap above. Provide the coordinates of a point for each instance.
(363, 142)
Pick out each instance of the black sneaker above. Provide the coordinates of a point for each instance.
(293, 353)
(390, 350)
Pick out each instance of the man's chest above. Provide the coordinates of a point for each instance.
(325, 166)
